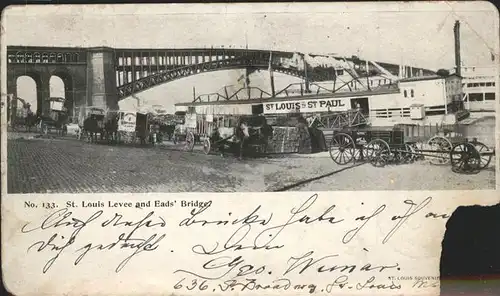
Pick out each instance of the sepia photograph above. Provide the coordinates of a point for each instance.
(250, 100)
(249, 148)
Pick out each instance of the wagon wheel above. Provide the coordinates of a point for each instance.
(397, 154)
(378, 152)
(484, 154)
(406, 154)
(206, 146)
(360, 153)
(465, 159)
(90, 137)
(442, 146)
(342, 149)
(81, 135)
(189, 141)
(417, 149)
(119, 137)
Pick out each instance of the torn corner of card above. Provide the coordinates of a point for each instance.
(214, 149)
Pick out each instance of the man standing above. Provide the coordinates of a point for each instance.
(216, 139)
(28, 116)
(304, 137)
(243, 136)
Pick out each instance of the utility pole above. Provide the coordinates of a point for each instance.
(456, 33)
(247, 83)
(306, 79)
(271, 75)
(367, 75)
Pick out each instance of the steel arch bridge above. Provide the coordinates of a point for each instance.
(102, 76)
(157, 78)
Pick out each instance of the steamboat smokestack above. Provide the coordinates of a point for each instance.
(456, 31)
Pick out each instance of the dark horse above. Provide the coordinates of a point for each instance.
(167, 130)
(93, 126)
(111, 128)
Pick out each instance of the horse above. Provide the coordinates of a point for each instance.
(167, 130)
(30, 121)
(111, 128)
(46, 122)
(256, 135)
(93, 126)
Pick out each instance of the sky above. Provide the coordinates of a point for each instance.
(417, 34)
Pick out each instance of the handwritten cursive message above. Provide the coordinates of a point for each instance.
(63, 222)
(238, 249)
(228, 267)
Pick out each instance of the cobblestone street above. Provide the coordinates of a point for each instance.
(71, 166)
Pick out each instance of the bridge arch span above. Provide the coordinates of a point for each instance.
(39, 79)
(26, 89)
(156, 79)
(57, 87)
(69, 79)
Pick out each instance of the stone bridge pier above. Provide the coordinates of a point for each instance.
(101, 78)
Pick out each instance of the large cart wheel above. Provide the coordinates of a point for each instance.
(206, 146)
(342, 148)
(442, 146)
(189, 141)
(417, 149)
(405, 154)
(360, 153)
(465, 159)
(484, 154)
(378, 152)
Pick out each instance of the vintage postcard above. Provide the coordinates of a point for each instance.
(267, 148)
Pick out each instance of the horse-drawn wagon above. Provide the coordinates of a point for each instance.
(147, 128)
(185, 131)
(92, 123)
(120, 125)
(56, 118)
(381, 147)
(184, 134)
(249, 135)
(167, 124)
(162, 126)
